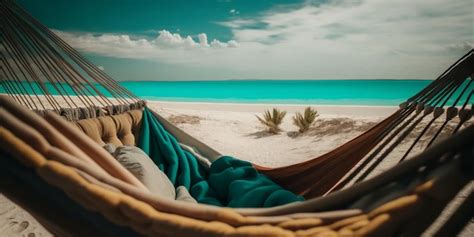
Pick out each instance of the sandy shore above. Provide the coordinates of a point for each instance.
(234, 130)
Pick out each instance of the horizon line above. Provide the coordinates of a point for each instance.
(223, 80)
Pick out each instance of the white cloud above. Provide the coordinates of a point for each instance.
(218, 44)
(203, 40)
(232, 44)
(340, 39)
(358, 39)
(166, 46)
(234, 12)
(463, 47)
(238, 23)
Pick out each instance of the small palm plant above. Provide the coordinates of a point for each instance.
(272, 120)
(304, 122)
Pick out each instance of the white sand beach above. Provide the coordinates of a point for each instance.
(233, 129)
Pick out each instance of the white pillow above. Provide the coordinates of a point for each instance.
(141, 166)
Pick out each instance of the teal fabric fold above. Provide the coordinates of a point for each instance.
(229, 182)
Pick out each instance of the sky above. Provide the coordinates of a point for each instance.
(137, 40)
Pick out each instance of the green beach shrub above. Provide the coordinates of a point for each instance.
(304, 121)
(272, 120)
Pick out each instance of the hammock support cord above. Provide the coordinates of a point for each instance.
(391, 133)
(34, 61)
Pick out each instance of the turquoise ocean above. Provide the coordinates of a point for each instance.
(324, 92)
(321, 92)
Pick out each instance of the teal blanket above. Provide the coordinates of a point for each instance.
(229, 182)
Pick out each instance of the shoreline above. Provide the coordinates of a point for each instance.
(284, 79)
(324, 110)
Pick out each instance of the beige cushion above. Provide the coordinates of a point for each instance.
(183, 195)
(109, 130)
(92, 128)
(117, 129)
(136, 116)
(124, 129)
(141, 166)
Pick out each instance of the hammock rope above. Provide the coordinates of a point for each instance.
(37, 62)
(429, 101)
(438, 111)
(444, 92)
(45, 72)
(59, 58)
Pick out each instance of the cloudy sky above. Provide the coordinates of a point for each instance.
(263, 39)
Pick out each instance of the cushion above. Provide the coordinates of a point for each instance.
(136, 116)
(109, 130)
(92, 128)
(118, 129)
(182, 194)
(142, 167)
(123, 125)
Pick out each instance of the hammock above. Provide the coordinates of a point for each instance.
(36, 62)
(74, 192)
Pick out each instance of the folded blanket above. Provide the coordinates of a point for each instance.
(236, 183)
(228, 182)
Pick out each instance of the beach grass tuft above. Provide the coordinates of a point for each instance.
(304, 121)
(272, 120)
